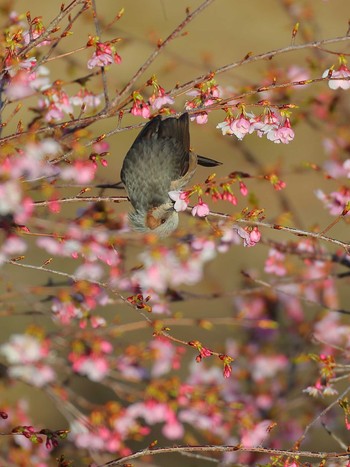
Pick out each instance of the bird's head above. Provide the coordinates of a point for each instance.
(161, 220)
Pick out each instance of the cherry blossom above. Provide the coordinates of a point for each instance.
(140, 108)
(239, 127)
(93, 364)
(346, 167)
(283, 134)
(180, 198)
(56, 103)
(268, 366)
(340, 79)
(296, 73)
(256, 435)
(204, 95)
(336, 201)
(166, 356)
(25, 353)
(163, 268)
(161, 99)
(37, 29)
(104, 55)
(86, 98)
(201, 209)
(243, 188)
(275, 263)
(266, 124)
(82, 172)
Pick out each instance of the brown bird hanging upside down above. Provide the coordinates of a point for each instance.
(159, 161)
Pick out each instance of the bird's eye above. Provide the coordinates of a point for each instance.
(162, 221)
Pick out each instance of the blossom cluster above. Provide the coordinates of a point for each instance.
(153, 390)
(337, 202)
(204, 95)
(29, 359)
(273, 125)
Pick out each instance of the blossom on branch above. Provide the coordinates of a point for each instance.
(160, 99)
(270, 125)
(180, 198)
(201, 209)
(340, 79)
(104, 55)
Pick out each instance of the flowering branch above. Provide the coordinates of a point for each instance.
(259, 450)
(293, 231)
(158, 50)
(254, 58)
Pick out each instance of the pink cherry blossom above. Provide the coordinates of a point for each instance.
(164, 355)
(243, 188)
(95, 367)
(254, 236)
(225, 127)
(296, 73)
(35, 32)
(346, 167)
(160, 100)
(24, 82)
(180, 198)
(201, 118)
(284, 134)
(104, 55)
(336, 201)
(38, 375)
(24, 348)
(241, 126)
(57, 103)
(266, 124)
(256, 435)
(81, 172)
(275, 263)
(227, 371)
(342, 78)
(201, 209)
(13, 245)
(230, 197)
(141, 109)
(86, 98)
(100, 147)
(264, 366)
(173, 429)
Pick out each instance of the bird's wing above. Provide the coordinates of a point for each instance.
(159, 155)
(183, 181)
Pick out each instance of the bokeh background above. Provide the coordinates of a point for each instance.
(223, 33)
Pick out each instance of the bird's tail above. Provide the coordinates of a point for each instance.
(206, 162)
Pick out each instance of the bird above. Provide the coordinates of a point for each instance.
(159, 161)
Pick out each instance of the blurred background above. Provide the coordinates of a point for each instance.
(223, 33)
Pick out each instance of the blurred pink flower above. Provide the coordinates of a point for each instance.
(256, 435)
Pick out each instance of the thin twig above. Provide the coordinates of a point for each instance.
(84, 199)
(125, 91)
(218, 449)
(103, 71)
(293, 231)
(54, 23)
(262, 56)
(84, 122)
(319, 416)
